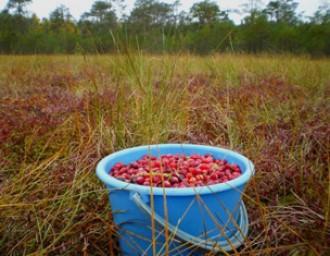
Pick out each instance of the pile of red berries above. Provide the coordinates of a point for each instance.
(176, 171)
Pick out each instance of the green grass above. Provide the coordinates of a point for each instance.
(59, 115)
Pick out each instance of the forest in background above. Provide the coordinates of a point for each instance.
(156, 27)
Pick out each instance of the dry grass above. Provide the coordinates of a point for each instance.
(60, 114)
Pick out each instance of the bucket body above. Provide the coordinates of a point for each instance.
(176, 221)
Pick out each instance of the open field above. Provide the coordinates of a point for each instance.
(59, 115)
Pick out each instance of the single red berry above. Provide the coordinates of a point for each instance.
(228, 172)
(207, 159)
(204, 166)
(235, 175)
(192, 180)
(134, 165)
(173, 165)
(196, 156)
(140, 180)
(195, 171)
(214, 176)
(156, 179)
(181, 185)
(131, 171)
(174, 180)
(118, 165)
(200, 177)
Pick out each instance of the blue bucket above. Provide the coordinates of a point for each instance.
(177, 221)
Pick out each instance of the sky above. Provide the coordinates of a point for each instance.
(77, 7)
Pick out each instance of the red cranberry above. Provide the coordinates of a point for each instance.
(176, 171)
(140, 180)
(174, 180)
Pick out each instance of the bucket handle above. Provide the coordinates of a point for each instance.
(235, 240)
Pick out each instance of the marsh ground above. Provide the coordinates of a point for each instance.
(59, 115)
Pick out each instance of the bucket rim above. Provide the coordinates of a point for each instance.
(113, 183)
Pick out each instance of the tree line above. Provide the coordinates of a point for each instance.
(156, 27)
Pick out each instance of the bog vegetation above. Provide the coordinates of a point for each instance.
(155, 26)
(59, 115)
